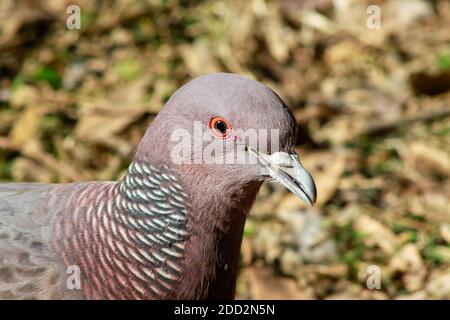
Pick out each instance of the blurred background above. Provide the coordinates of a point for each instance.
(373, 107)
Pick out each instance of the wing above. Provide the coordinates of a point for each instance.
(27, 261)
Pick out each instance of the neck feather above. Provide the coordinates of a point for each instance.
(216, 219)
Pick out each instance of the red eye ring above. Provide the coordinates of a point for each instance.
(220, 127)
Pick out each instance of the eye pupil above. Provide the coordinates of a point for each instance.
(221, 126)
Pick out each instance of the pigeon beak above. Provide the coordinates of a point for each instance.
(286, 169)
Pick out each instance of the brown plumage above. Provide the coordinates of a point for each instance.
(169, 229)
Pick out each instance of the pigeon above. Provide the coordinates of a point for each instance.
(172, 227)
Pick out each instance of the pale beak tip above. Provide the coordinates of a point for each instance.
(312, 190)
(307, 190)
(287, 169)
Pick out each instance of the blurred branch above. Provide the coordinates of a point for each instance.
(46, 160)
(379, 128)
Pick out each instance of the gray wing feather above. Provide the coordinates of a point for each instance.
(28, 268)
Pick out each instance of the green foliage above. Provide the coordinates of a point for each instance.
(249, 229)
(5, 169)
(436, 252)
(17, 82)
(128, 69)
(86, 18)
(443, 61)
(49, 75)
(401, 228)
(350, 243)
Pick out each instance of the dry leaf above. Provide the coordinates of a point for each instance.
(409, 262)
(376, 234)
(264, 285)
(438, 286)
(101, 120)
(444, 231)
(326, 167)
(26, 127)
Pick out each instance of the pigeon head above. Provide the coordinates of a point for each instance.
(233, 128)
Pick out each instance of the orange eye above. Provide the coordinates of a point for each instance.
(220, 127)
